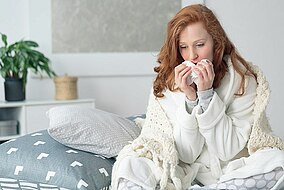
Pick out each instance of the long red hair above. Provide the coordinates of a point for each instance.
(169, 56)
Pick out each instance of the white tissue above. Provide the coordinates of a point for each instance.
(193, 78)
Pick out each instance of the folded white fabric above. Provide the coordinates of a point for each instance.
(91, 130)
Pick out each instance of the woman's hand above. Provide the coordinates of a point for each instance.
(205, 71)
(181, 73)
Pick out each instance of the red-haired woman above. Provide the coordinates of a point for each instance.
(205, 120)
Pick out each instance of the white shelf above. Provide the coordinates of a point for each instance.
(5, 138)
(31, 114)
(40, 102)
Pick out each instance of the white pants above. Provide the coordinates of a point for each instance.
(264, 181)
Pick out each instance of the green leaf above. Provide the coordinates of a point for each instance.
(30, 43)
(4, 39)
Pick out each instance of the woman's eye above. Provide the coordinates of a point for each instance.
(199, 44)
(182, 47)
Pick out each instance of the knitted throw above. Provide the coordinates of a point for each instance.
(156, 141)
(261, 136)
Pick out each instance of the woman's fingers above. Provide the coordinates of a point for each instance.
(181, 73)
(205, 68)
(205, 71)
(209, 68)
(178, 69)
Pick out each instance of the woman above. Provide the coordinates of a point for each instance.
(213, 131)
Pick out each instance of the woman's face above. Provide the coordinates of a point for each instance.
(195, 43)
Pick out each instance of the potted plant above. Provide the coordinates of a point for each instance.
(15, 61)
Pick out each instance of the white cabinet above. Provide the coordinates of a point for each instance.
(31, 115)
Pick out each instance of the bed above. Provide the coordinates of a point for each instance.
(57, 158)
(76, 152)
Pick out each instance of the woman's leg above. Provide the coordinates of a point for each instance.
(134, 172)
(125, 184)
(262, 181)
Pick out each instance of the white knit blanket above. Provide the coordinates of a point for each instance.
(261, 135)
(156, 141)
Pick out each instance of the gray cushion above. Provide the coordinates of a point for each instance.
(39, 158)
(91, 130)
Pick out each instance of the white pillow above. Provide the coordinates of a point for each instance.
(91, 130)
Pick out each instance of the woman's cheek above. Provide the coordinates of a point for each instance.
(208, 54)
(184, 55)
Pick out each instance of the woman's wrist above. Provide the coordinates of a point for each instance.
(191, 97)
(205, 98)
(190, 104)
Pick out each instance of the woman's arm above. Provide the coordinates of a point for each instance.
(226, 128)
(189, 141)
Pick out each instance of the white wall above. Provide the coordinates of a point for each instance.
(257, 29)
(120, 83)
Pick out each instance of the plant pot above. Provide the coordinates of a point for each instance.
(14, 89)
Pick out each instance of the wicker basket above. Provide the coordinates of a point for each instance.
(66, 88)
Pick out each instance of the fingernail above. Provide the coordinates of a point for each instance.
(205, 60)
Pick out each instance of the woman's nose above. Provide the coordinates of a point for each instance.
(193, 56)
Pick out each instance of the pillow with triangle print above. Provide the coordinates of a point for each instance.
(37, 161)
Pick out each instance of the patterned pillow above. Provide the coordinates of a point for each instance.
(91, 130)
(39, 158)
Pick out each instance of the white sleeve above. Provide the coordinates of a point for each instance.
(226, 128)
(189, 141)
